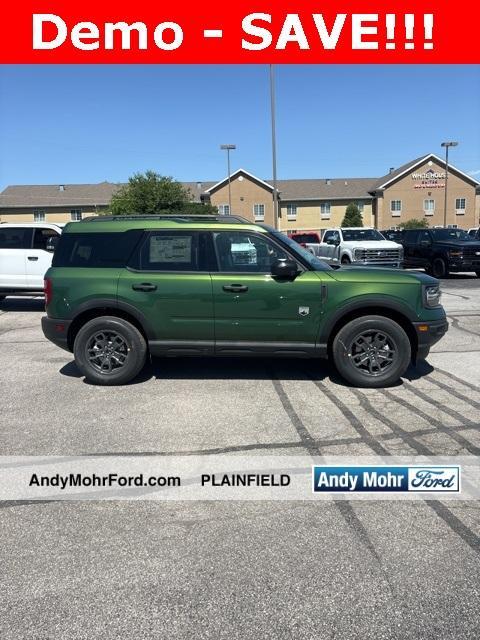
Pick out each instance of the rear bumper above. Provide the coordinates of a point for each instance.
(428, 333)
(56, 331)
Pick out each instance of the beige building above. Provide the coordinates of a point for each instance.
(415, 190)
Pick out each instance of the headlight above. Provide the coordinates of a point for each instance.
(431, 295)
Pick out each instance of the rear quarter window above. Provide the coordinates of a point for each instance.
(96, 249)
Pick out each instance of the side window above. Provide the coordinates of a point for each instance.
(15, 237)
(41, 236)
(336, 236)
(170, 251)
(246, 252)
(328, 235)
(425, 237)
(411, 237)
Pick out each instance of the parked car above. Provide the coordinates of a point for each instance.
(360, 246)
(395, 235)
(441, 251)
(25, 255)
(123, 289)
(310, 240)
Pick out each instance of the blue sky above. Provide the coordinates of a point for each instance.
(62, 124)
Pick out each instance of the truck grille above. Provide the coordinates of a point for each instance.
(471, 252)
(378, 256)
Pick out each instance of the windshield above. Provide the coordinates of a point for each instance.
(314, 263)
(451, 234)
(361, 234)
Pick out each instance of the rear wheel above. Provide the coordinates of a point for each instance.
(109, 351)
(439, 268)
(371, 351)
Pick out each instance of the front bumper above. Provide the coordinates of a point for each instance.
(383, 265)
(428, 333)
(464, 265)
(56, 331)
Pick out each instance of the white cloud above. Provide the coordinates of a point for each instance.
(476, 172)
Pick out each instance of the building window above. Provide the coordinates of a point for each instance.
(39, 215)
(429, 207)
(460, 205)
(325, 210)
(291, 211)
(75, 215)
(259, 212)
(224, 209)
(361, 206)
(395, 207)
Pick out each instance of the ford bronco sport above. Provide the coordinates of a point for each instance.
(122, 289)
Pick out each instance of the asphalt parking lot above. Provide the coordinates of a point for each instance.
(228, 569)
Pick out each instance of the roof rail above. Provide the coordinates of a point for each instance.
(175, 218)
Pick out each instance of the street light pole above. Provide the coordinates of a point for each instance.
(274, 148)
(447, 145)
(228, 148)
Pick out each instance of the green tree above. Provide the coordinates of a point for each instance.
(150, 193)
(353, 217)
(414, 223)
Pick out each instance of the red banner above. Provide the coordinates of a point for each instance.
(255, 31)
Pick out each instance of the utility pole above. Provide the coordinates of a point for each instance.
(228, 148)
(274, 149)
(447, 145)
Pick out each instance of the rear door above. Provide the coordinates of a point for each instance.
(410, 247)
(168, 281)
(326, 251)
(14, 243)
(255, 312)
(38, 259)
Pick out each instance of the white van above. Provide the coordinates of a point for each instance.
(25, 255)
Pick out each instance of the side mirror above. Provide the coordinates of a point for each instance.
(284, 268)
(52, 243)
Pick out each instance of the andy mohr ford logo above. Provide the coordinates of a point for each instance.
(385, 478)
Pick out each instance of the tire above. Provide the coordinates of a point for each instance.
(346, 260)
(382, 367)
(438, 268)
(126, 351)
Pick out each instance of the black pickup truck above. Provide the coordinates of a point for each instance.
(441, 251)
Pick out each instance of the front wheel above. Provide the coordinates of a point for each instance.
(109, 351)
(346, 260)
(371, 351)
(439, 268)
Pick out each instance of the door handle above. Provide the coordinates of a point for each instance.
(235, 288)
(33, 258)
(144, 286)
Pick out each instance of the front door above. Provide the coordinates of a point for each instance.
(39, 259)
(169, 283)
(254, 311)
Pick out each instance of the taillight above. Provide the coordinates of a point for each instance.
(48, 290)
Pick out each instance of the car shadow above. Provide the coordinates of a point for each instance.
(245, 369)
(23, 304)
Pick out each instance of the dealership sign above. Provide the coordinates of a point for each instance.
(429, 179)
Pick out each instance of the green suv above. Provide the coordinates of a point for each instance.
(123, 289)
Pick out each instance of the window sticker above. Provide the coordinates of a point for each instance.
(170, 249)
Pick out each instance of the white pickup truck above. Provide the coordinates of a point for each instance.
(25, 255)
(359, 246)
